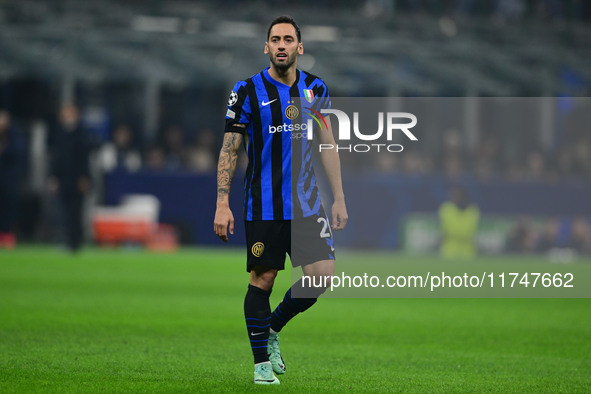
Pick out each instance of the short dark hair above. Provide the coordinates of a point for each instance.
(285, 19)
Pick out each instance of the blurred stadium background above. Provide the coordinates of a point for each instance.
(151, 79)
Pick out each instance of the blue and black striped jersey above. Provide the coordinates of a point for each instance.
(280, 183)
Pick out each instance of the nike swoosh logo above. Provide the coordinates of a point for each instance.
(265, 104)
(258, 333)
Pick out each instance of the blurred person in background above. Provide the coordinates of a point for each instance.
(452, 160)
(155, 158)
(580, 236)
(386, 163)
(582, 157)
(201, 155)
(564, 163)
(548, 238)
(120, 153)
(535, 168)
(413, 163)
(458, 220)
(173, 141)
(12, 152)
(513, 170)
(522, 238)
(486, 157)
(70, 173)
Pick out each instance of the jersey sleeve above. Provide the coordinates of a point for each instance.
(323, 101)
(238, 112)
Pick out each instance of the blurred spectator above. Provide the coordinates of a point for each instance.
(459, 224)
(483, 169)
(453, 166)
(155, 158)
(564, 163)
(412, 163)
(12, 151)
(513, 171)
(486, 156)
(70, 173)
(120, 152)
(580, 236)
(452, 160)
(581, 154)
(548, 239)
(175, 153)
(201, 155)
(522, 238)
(535, 166)
(386, 162)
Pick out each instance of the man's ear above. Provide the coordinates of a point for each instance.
(266, 51)
(300, 49)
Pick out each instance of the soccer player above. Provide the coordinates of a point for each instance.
(281, 194)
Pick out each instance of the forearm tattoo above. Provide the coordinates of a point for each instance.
(227, 163)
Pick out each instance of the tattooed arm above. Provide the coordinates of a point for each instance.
(227, 164)
(226, 168)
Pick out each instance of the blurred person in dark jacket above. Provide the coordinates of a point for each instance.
(70, 173)
(11, 164)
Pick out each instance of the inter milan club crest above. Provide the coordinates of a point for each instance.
(258, 249)
(292, 112)
(233, 98)
(309, 94)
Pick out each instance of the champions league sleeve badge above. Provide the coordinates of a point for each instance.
(233, 98)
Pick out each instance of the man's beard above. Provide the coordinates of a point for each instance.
(284, 65)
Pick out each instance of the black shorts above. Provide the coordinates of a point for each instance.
(306, 240)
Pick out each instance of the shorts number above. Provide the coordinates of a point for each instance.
(325, 232)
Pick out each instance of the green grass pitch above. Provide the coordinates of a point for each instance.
(129, 321)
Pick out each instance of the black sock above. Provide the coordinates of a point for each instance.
(257, 313)
(290, 307)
